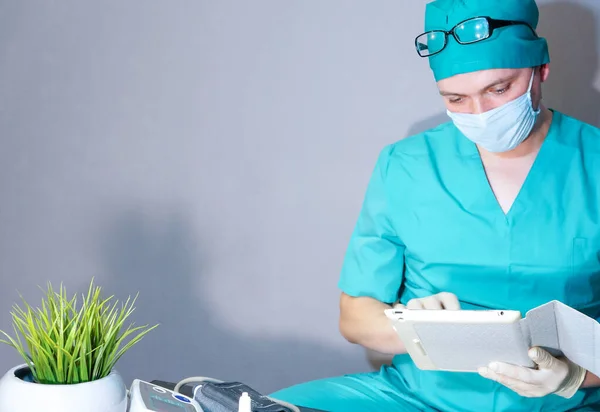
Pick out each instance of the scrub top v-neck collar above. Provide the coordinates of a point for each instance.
(527, 193)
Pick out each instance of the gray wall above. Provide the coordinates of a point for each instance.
(213, 156)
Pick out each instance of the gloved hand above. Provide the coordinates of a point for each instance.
(552, 375)
(443, 300)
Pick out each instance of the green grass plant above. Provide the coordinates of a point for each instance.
(66, 344)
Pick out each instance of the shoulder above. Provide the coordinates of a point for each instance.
(582, 135)
(422, 143)
(420, 148)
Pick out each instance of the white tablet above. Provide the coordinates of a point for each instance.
(461, 340)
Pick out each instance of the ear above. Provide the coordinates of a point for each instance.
(544, 72)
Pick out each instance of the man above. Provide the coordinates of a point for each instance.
(497, 209)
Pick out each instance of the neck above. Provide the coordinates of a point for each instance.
(532, 144)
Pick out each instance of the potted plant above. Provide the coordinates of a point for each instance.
(70, 354)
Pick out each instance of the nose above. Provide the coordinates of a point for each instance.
(479, 105)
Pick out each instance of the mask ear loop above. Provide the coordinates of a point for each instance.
(531, 81)
(529, 93)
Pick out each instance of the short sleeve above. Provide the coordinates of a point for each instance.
(374, 262)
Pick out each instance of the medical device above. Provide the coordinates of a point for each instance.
(209, 395)
(147, 397)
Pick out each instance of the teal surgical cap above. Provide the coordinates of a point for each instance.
(509, 47)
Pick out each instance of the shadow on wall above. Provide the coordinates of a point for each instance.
(573, 59)
(158, 257)
(162, 264)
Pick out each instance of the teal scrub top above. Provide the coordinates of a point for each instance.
(430, 223)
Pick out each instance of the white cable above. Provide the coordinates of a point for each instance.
(198, 379)
(194, 379)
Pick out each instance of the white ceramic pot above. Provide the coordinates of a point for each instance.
(108, 394)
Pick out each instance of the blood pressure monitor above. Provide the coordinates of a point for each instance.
(146, 397)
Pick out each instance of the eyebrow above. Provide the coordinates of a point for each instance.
(489, 86)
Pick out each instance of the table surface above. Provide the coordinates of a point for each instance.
(188, 391)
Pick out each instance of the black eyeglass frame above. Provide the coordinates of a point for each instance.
(493, 24)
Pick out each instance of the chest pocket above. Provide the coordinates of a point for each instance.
(583, 287)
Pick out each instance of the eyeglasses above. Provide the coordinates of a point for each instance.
(469, 31)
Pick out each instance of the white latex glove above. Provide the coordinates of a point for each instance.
(552, 375)
(444, 300)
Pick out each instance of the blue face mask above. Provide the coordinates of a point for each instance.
(503, 128)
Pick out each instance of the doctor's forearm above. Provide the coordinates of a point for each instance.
(363, 322)
(591, 381)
